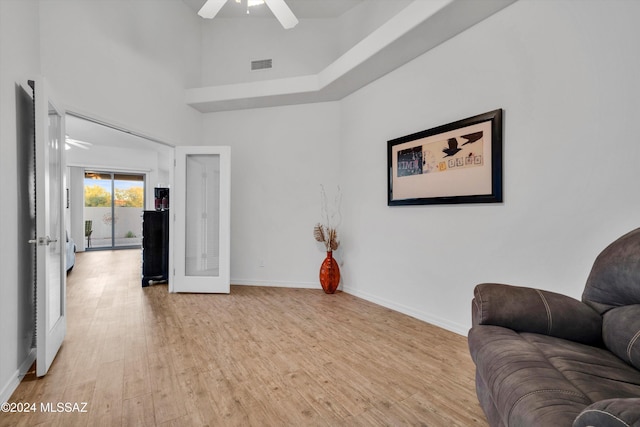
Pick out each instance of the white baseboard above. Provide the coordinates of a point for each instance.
(248, 282)
(13, 382)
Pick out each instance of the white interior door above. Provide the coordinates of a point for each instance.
(51, 323)
(202, 220)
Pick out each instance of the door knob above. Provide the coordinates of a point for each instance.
(43, 241)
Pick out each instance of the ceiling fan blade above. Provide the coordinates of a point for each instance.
(211, 8)
(76, 143)
(282, 13)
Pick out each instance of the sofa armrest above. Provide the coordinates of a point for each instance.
(533, 310)
(610, 413)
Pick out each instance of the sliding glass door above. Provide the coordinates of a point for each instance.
(113, 205)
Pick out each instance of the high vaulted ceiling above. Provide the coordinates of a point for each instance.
(418, 27)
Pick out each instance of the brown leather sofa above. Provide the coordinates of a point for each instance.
(545, 359)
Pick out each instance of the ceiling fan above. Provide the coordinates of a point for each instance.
(70, 143)
(278, 7)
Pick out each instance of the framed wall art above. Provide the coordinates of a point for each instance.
(460, 162)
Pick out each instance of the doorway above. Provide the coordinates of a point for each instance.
(113, 206)
(121, 159)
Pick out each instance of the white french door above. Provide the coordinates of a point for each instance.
(51, 301)
(202, 220)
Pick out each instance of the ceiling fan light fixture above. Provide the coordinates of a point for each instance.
(278, 7)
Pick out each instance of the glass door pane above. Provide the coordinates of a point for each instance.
(97, 209)
(55, 220)
(113, 205)
(128, 204)
(202, 236)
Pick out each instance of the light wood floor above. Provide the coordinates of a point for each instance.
(257, 357)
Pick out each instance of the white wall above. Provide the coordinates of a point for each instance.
(75, 211)
(566, 76)
(279, 158)
(125, 62)
(361, 20)
(18, 62)
(229, 46)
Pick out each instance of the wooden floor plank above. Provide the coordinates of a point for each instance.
(138, 411)
(259, 356)
(106, 403)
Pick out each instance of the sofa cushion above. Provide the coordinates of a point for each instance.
(614, 279)
(596, 372)
(533, 310)
(621, 333)
(524, 386)
(610, 413)
(539, 380)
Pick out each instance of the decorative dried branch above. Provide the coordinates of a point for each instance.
(333, 239)
(327, 233)
(318, 232)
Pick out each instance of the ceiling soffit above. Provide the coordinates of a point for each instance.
(418, 28)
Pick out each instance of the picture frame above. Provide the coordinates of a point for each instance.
(460, 162)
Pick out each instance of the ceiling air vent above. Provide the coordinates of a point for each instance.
(261, 64)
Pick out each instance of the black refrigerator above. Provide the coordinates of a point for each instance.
(155, 247)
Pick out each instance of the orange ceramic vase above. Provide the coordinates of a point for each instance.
(329, 274)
